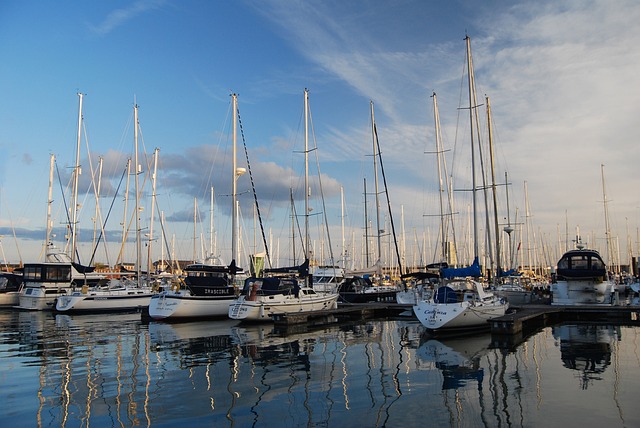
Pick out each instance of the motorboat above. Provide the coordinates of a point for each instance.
(581, 278)
(208, 291)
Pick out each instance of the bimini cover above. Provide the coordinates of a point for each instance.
(445, 294)
(472, 271)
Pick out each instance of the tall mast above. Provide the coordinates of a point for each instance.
(153, 207)
(343, 252)
(49, 203)
(195, 238)
(76, 174)
(508, 227)
(493, 187)
(436, 119)
(125, 221)
(97, 210)
(211, 249)
(293, 227)
(137, 190)
(473, 152)
(366, 227)
(237, 172)
(306, 174)
(610, 254)
(375, 177)
(527, 214)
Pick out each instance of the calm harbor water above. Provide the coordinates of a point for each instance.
(115, 370)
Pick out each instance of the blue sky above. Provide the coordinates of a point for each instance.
(560, 77)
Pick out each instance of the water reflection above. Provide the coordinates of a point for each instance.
(112, 370)
(457, 358)
(586, 349)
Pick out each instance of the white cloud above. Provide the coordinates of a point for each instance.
(119, 17)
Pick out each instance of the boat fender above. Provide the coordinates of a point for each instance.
(85, 289)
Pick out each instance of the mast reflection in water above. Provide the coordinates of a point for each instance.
(114, 370)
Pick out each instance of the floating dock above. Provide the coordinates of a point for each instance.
(528, 316)
(347, 310)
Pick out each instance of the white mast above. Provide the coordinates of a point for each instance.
(237, 172)
(443, 237)
(195, 239)
(306, 175)
(473, 152)
(611, 259)
(125, 220)
(153, 207)
(234, 191)
(211, 249)
(97, 210)
(375, 177)
(163, 264)
(137, 189)
(49, 203)
(493, 187)
(343, 251)
(76, 174)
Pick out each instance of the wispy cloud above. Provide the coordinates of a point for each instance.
(559, 76)
(119, 17)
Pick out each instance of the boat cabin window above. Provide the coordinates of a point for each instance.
(579, 262)
(32, 273)
(58, 273)
(207, 274)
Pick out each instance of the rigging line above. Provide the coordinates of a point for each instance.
(386, 192)
(324, 208)
(253, 187)
(64, 200)
(106, 219)
(305, 250)
(95, 192)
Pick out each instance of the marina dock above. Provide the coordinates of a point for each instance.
(343, 311)
(510, 328)
(528, 316)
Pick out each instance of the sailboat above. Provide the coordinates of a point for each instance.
(44, 282)
(284, 290)
(368, 284)
(462, 302)
(113, 294)
(209, 286)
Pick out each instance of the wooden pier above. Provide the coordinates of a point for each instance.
(529, 317)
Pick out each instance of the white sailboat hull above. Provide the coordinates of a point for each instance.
(262, 307)
(104, 301)
(466, 314)
(182, 305)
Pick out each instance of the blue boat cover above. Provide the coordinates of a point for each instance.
(445, 294)
(473, 271)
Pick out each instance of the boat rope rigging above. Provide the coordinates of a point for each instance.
(324, 208)
(253, 188)
(386, 192)
(95, 248)
(66, 207)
